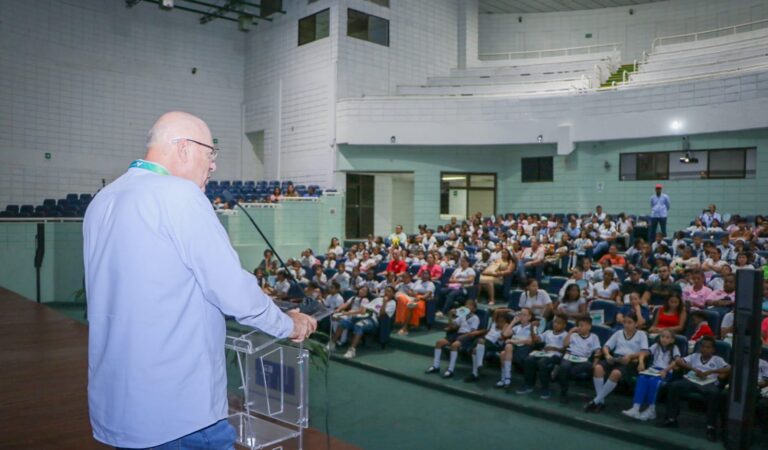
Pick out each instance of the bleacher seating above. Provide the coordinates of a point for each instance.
(525, 76)
(705, 57)
(74, 205)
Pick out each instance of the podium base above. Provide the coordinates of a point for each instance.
(255, 433)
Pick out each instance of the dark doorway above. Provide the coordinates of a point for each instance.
(359, 215)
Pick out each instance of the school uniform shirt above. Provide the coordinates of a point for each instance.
(535, 303)
(321, 279)
(521, 332)
(389, 309)
(714, 363)
(583, 347)
(467, 324)
(423, 287)
(342, 278)
(727, 320)
(334, 301)
(493, 335)
(355, 302)
(662, 359)
(555, 340)
(282, 287)
(599, 290)
(619, 345)
(571, 307)
(463, 275)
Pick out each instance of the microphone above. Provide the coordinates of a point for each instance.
(295, 289)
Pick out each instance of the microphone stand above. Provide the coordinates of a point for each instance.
(229, 197)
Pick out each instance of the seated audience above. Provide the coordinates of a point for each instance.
(662, 357)
(542, 363)
(412, 301)
(369, 320)
(582, 347)
(491, 340)
(518, 343)
(671, 316)
(621, 354)
(706, 373)
(460, 333)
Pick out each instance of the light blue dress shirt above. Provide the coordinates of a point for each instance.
(160, 276)
(659, 205)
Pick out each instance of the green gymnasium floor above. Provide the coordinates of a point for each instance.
(382, 400)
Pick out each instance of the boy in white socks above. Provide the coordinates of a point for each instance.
(460, 333)
(491, 341)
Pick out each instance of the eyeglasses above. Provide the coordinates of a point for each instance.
(214, 150)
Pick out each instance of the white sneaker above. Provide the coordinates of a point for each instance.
(332, 346)
(648, 414)
(632, 412)
(351, 353)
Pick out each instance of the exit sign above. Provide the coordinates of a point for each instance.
(47, 155)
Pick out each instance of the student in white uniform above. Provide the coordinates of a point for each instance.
(620, 357)
(490, 341)
(347, 314)
(706, 372)
(541, 364)
(375, 311)
(535, 299)
(460, 333)
(663, 355)
(582, 345)
(518, 335)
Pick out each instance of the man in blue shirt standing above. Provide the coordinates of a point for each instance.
(659, 211)
(161, 275)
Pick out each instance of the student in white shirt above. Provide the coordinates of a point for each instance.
(663, 355)
(492, 341)
(460, 333)
(535, 299)
(342, 277)
(330, 261)
(347, 314)
(581, 347)
(621, 354)
(554, 347)
(319, 277)
(282, 286)
(375, 311)
(334, 300)
(518, 335)
(572, 304)
(705, 367)
(335, 247)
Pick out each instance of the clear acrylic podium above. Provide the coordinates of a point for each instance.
(275, 386)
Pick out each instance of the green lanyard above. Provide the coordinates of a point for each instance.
(149, 165)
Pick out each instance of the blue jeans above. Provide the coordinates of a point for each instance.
(655, 222)
(219, 436)
(647, 388)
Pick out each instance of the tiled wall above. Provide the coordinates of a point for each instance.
(85, 80)
(504, 33)
(576, 176)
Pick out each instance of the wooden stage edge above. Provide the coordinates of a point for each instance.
(43, 380)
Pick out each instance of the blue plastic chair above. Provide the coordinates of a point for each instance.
(609, 310)
(603, 333)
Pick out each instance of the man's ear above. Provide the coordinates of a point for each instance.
(182, 150)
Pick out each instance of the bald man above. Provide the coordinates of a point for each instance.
(161, 275)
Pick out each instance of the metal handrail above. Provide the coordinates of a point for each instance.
(718, 74)
(566, 51)
(696, 35)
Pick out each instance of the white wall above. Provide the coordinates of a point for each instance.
(423, 42)
(503, 33)
(393, 203)
(85, 80)
(289, 94)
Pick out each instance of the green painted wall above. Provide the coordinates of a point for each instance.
(291, 227)
(574, 188)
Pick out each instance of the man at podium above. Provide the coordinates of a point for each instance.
(160, 277)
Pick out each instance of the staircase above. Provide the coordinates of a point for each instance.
(618, 76)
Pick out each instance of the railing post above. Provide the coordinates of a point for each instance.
(634, 66)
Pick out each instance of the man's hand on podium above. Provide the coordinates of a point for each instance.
(303, 325)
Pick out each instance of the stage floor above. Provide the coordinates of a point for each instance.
(43, 379)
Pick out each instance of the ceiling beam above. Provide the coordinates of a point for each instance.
(184, 8)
